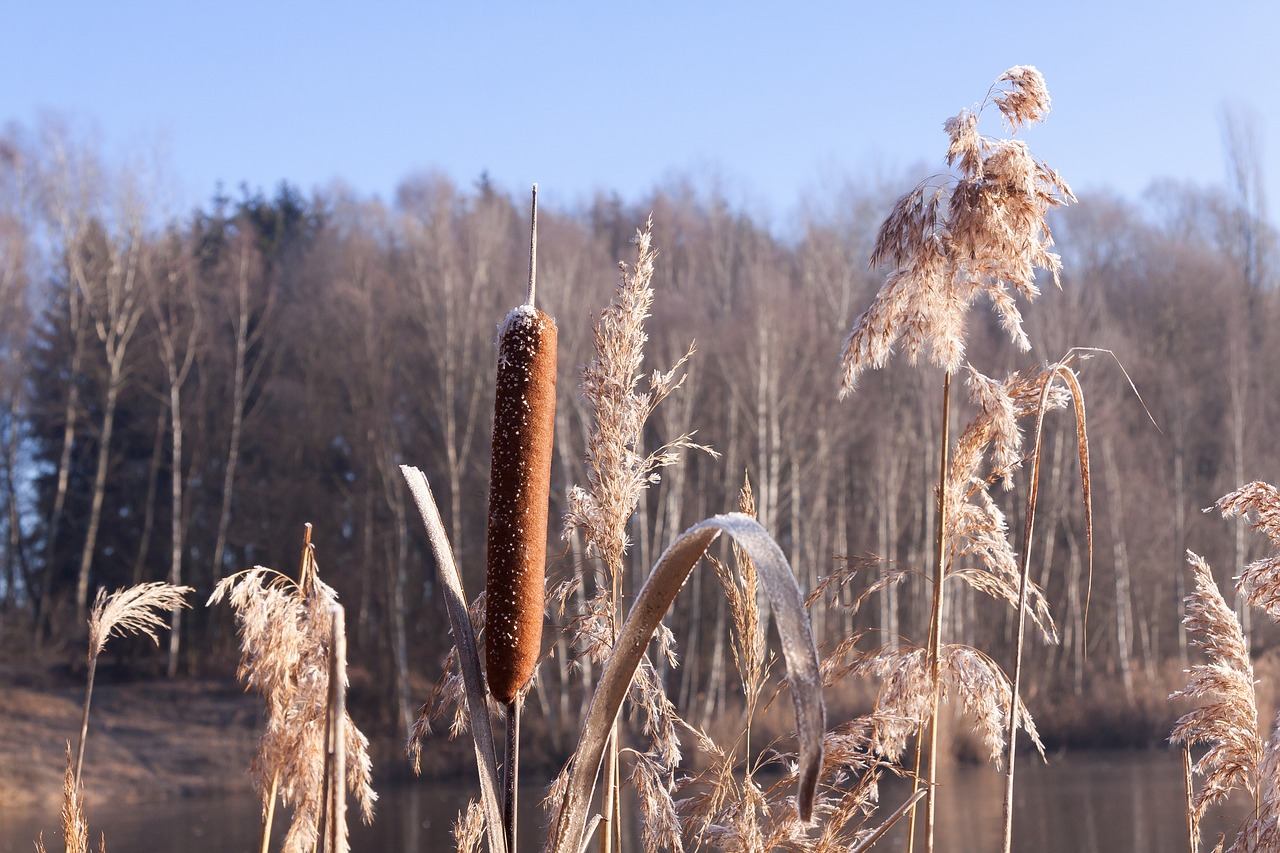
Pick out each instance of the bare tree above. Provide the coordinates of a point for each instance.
(249, 304)
(178, 315)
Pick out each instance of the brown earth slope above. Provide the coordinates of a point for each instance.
(148, 739)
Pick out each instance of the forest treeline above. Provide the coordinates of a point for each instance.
(179, 395)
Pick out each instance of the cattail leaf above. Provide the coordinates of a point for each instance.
(653, 601)
(468, 657)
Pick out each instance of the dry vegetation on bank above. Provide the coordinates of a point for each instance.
(937, 617)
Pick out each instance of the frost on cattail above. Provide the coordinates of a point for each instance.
(1228, 724)
(981, 233)
(519, 493)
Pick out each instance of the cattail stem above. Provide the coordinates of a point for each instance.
(935, 629)
(511, 772)
(533, 248)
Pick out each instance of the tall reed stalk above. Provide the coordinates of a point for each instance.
(979, 232)
(935, 616)
(133, 610)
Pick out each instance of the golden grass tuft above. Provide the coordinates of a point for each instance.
(1228, 724)
(286, 639)
(75, 831)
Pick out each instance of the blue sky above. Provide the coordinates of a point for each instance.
(771, 102)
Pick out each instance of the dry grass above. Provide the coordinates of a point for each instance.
(617, 476)
(134, 610)
(75, 831)
(1237, 756)
(286, 641)
(978, 232)
(982, 234)
(1229, 723)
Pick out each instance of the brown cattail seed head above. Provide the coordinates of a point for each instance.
(524, 416)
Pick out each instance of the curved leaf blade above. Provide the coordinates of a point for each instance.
(468, 657)
(664, 583)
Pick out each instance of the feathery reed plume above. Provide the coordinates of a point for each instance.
(981, 232)
(617, 475)
(748, 639)
(948, 245)
(135, 610)
(1260, 581)
(468, 829)
(1229, 723)
(286, 640)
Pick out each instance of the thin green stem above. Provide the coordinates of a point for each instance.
(270, 815)
(84, 718)
(1011, 731)
(935, 630)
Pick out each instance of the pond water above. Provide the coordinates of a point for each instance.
(1089, 802)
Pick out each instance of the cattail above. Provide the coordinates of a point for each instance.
(524, 414)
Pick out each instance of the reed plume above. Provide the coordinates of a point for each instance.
(1228, 724)
(286, 640)
(134, 610)
(617, 475)
(979, 236)
(979, 232)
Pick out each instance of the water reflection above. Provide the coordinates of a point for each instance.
(1098, 802)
